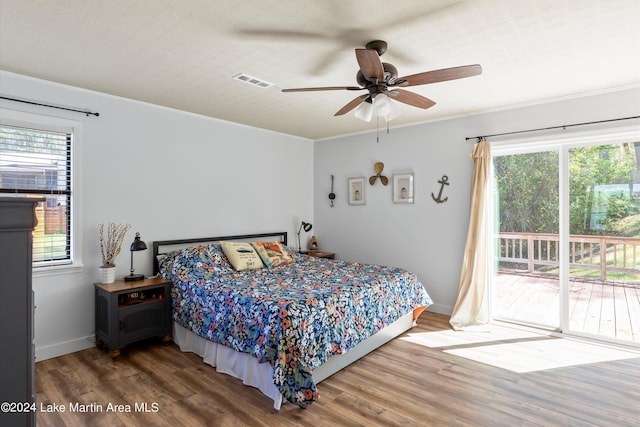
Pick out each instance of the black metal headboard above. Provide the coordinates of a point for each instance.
(164, 246)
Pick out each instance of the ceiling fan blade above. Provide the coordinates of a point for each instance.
(308, 89)
(370, 64)
(351, 105)
(441, 75)
(411, 98)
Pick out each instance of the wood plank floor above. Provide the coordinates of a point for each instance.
(415, 380)
(608, 309)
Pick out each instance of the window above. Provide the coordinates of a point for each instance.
(35, 161)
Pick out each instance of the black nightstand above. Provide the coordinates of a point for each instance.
(132, 311)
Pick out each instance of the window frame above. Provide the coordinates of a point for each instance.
(37, 121)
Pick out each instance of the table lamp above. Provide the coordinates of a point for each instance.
(137, 245)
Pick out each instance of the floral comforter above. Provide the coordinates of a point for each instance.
(292, 316)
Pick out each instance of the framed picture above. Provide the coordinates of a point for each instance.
(356, 191)
(403, 188)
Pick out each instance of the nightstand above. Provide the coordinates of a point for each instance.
(319, 254)
(132, 311)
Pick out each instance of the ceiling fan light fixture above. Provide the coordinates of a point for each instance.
(385, 107)
(364, 111)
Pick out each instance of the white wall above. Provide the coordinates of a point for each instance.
(170, 175)
(425, 237)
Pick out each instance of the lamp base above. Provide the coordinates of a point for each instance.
(303, 252)
(133, 277)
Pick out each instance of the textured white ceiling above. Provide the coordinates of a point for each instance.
(184, 53)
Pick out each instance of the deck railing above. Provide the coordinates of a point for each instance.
(604, 253)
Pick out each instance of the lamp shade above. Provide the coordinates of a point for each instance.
(364, 111)
(381, 105)
(138, 245)
(385, 107)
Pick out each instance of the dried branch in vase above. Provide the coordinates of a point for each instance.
(111, 241)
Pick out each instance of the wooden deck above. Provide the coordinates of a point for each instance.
(608, 309)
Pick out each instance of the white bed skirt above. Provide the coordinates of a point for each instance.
(260, 375)
(231, 362)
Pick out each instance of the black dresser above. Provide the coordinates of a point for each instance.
(17, 354)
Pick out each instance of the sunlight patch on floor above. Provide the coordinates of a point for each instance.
(551, 353)
(475, 335)
(518, 349)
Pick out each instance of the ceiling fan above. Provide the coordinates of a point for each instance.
(381, 78)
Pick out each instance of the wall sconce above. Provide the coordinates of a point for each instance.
(137, 245)
(307, 227)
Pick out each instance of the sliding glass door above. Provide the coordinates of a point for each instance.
(526, 230)
(566, 227)
(604, 241)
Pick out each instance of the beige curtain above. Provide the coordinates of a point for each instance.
(469, 309)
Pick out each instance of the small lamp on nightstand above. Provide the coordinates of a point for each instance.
(307, 227)
(137, 245)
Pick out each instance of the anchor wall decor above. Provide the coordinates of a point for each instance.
(443, 181)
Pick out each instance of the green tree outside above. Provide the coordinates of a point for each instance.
(600, 190)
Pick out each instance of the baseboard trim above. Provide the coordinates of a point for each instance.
(67, 347)
(440, 309)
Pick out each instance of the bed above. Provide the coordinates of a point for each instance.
(288, 323)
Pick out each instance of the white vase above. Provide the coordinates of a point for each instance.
(107, 274)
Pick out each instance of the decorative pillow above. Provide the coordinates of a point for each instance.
(272, 253)
(201, 261)
(241, 255)
(218, 259)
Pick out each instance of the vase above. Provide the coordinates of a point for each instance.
(313, 243)
(107, 274)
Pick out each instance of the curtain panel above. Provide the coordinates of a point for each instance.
(469, 309)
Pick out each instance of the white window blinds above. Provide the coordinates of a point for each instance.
(37, 163)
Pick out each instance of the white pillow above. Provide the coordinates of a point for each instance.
(241, 255)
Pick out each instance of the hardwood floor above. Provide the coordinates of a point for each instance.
(415, 380)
